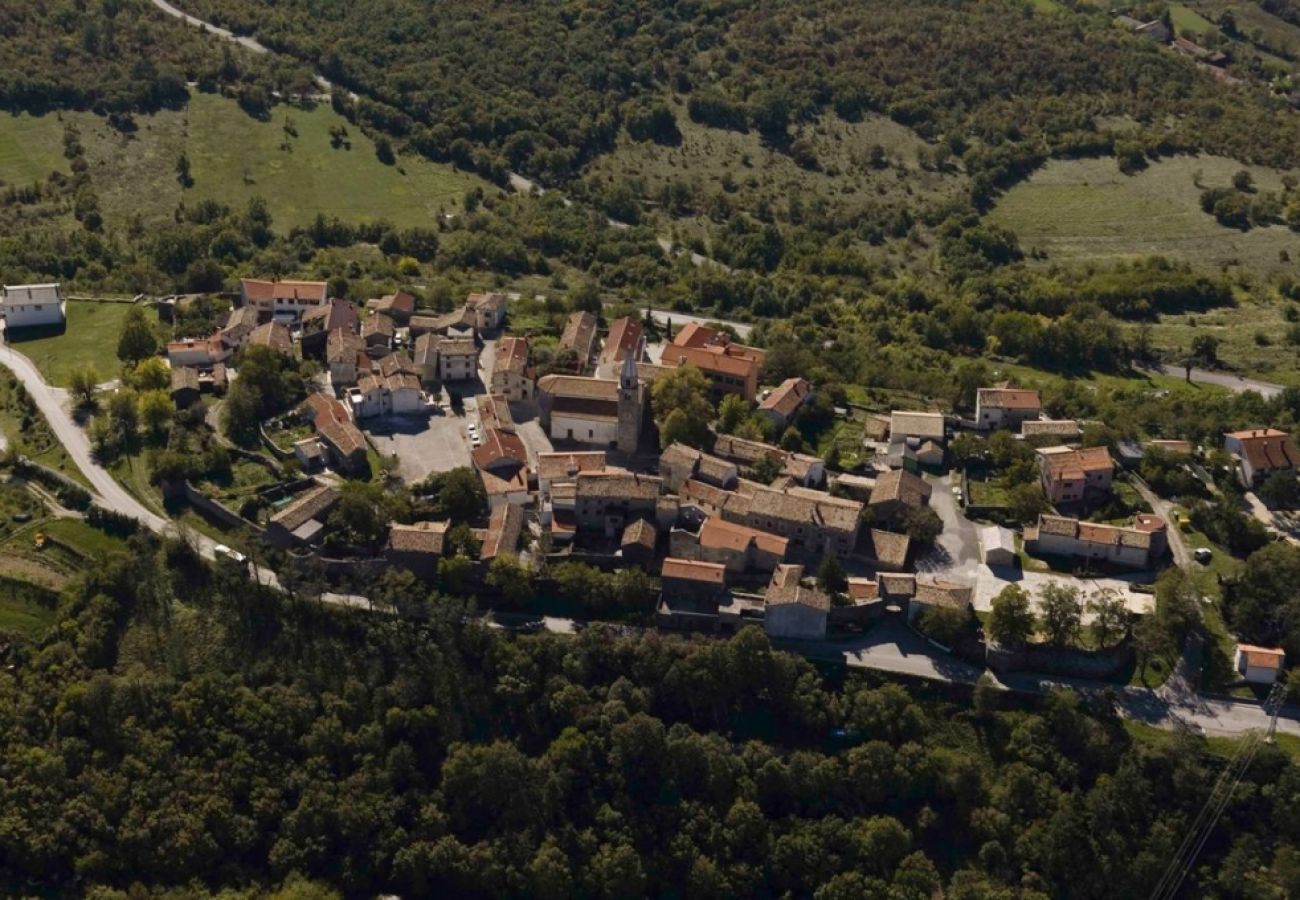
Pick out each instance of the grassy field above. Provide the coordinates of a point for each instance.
(1188, 20)
(233, 158)
(1087, 210)
(89, 338)
(1254, 23)
(26, 609)
(31, 147)
(1255, 338)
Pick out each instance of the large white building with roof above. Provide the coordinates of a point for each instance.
(30, 305)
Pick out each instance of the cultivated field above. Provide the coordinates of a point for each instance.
(1088, 210)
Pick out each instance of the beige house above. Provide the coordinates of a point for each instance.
(580, 337)
(512, 376)
(1071, 476)
(1006, 407)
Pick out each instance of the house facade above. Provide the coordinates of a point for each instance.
(1136, 547)
(512, 376)
(1071, 476)
(1006, 407)
(1259, 452)
(32, 305)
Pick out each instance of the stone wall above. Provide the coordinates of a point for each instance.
(1061, 660)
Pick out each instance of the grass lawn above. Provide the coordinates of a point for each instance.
(31, 147)
(847, 436)
(1219, 746)
(1086, 209)
(132, 472)
(26, 609)
(89, 338)
(1186, 19)
(85, 538)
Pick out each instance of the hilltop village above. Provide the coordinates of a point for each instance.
(644, 445)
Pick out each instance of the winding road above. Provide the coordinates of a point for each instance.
(1266, 389)
(108, 491)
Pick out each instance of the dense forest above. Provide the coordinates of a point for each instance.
(238, 738)
(543, 88)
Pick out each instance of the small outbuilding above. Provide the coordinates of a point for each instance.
(997, 546)
(1260, 665)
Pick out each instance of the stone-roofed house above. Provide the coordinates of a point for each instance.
(896, 493)
(457, 323)
(398, 306)
(792, 609)
(920, 426)
(417, 548)
(343, 349)
(1006, 407)
(239, 325)
(579, 337)
(343, 441)
(274, 335)
(201, 353)
(505, 526)
(320, 321)
(512, 376)
(809, 471)
(185, 386)
(1260, 452)
(489, 310)
(679, 462)
(782, 403)
(637, 547)
(1061, 429)
(563, 468)
(997, 546)
(457, 359)
(1136, 547)
(378, 332)
(607, 501)
(885, 550)
(1072, 476)
(302, 521)
(814, 522)
(939, 594)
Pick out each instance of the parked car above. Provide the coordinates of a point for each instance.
(1203, 555)
(221, 551)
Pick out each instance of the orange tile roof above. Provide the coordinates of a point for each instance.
(263, 291)
(1010, 398)
(1267, 448)
(690, 570)
(1262, 657)
(786, 398)
(624, 338)
(499, 446)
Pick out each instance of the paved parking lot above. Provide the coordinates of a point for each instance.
(422, 445)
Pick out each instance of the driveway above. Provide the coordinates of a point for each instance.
(956, 554)
(1165, 510)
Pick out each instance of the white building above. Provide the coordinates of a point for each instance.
(28, 305)
(997, 546)
(1259, 665)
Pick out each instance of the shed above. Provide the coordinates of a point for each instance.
(1259, 665)
(997, 546)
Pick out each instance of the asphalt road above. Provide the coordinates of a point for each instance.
(109, 493)
(1265, 389)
